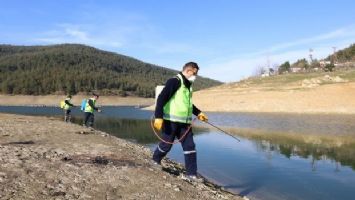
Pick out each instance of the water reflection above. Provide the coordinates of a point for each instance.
(264, 169)
(344, 154)
(326, 124)
(137, 130)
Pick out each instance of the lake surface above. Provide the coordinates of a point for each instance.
(260, 169)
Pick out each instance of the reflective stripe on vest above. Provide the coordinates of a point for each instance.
(179, 107)
(88, 108)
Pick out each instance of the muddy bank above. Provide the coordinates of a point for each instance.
(53, 100)
(44, 158)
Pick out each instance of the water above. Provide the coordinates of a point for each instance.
(334, 124)
(258, 168)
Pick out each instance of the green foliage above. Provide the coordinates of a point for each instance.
(315, 64)
(73, 68)
(345, 55)
(329, 67)
(285, 67)
(301, 63)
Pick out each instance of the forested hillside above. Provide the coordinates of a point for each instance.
(344, 55)
(73, 68)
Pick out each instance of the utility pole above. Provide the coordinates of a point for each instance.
(268, 64)
(334, 54)
(268, 61)
(311, 55)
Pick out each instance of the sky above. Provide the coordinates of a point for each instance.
(229, 39)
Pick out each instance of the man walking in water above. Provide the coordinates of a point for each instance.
(173, 115)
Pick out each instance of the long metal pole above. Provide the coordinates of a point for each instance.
(222, 130)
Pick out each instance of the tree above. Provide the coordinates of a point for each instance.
(7, 87)
(345, 55)
(70, 87)
(301, 63)
(259, 70)
(329, 67)
(73, 68)
(285, 67)
(315, 64)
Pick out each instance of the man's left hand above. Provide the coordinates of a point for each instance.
(202, 117)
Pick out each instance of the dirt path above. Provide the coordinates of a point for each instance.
(44, 158)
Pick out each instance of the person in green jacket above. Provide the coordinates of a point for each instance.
(67, 109)
(89, 111)
(173, 115)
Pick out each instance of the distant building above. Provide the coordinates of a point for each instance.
(296, 69)
(265, 75)
(315, 69)
(323, 63)
(268, 72)
(348, 64)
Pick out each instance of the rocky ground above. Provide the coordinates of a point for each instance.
(44, 158)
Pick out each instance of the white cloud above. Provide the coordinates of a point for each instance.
(334, 34)
(79, 35)
(84, 34)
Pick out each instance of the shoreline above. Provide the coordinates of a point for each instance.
(271, 112)
(328, 99)
(152, 108)
(54, 100)
(47, 158)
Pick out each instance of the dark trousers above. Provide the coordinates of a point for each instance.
(88, 119)
(170, 131)
(67, 115)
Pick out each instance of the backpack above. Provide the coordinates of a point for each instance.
(62, 104)
(83, 104)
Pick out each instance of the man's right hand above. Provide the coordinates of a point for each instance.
(158, 123)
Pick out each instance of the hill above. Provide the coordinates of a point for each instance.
(316, 92)
(342, 59)
(344, 55)
(75, 68)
